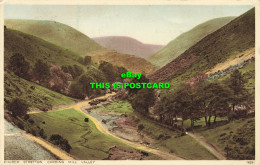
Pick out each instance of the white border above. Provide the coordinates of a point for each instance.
(256, 3)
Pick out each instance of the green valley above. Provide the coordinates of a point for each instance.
(208, 112)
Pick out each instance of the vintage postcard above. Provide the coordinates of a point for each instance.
(162, 82)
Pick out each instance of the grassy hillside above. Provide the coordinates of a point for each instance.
(238, 136)
(177, 46)
(233, 41)
(171, 141)
(34, 49)
(229, 41)
(57, 33)
(86, 141)
(68, 43)
(128, 45)
(248, 71)
(36, 95)
(130, 62)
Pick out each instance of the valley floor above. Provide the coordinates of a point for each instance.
(95, 140)
(114, 129)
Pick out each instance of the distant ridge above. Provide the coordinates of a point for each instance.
(128, 45)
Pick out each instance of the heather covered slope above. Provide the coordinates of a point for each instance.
(225, 43)
(177, 46)
(129, 62)
(57, 33)
(128, 45)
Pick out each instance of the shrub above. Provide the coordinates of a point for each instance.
(223, 134)
(31, 121)
(42, 134)
(26, 117)
(19, 65)
(59, 80)
(140, 127)
(61, 142)
(41, 71)
(143, 100)
(20, 125)
(87, 60)
(160, 136)
(18, 107)
(73, 70)
(33, 131)
(76, 90)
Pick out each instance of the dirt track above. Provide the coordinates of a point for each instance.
(212, 148)
(101, 128)
(244, 56)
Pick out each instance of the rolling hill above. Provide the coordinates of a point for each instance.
(69, 40)
(213, 60)
(33, 49)
(57, 33)
(128, 45)
(130, 62)
(230, 41)
(177, 46)
(37, 96)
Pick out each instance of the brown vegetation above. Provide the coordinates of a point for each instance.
(181, 62)
(130, 62)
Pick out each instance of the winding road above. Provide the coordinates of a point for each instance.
(165, 155)
(101, 128)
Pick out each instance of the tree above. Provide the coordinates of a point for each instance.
(74, 70)
(213, 98)
(41, 71)
(77, 70)
(172, 105)
(76, 90)
(18, 107)
(121, 70)
(59, 80)
(112, 73)
(188, 104)
(19, 65)
(109, 71)
(236, 83)
(143, 100)
(182, 102)
(85, 81)
(143, 79)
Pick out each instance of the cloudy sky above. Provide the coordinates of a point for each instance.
(148, 24)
